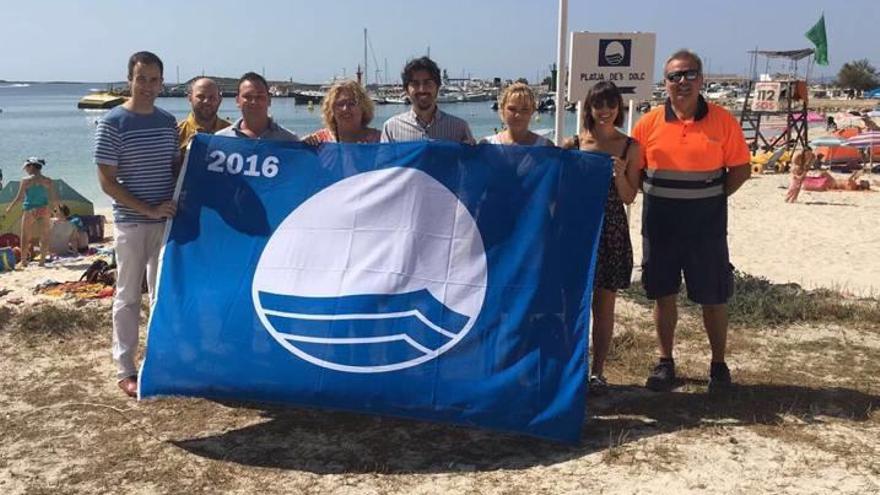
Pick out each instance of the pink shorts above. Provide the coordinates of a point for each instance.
(37, 213)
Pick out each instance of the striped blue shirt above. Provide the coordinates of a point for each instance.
(408, 127)
(143, 149)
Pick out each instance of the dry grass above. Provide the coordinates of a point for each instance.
(50, 321)
(757, 303)
(808, 391)
(6, 315)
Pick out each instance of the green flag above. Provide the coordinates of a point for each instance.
(816, 34)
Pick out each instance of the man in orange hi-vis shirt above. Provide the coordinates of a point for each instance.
(695, 156)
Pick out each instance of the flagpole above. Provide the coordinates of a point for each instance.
(561, 71)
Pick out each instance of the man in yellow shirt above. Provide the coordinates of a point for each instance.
(205, 98)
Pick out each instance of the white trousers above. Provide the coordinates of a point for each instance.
(137, 249)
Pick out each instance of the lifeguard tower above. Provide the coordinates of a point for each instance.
(774, 112)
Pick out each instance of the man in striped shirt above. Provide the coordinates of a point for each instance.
(424, 121)
(136, 149)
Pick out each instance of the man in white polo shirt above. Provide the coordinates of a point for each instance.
(424, 121)
(136, 149)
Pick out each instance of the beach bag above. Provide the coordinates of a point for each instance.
(94, 226)
(99, 272)
(821, 183)
(7, 259)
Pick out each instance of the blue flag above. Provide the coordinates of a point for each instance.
(433, 281)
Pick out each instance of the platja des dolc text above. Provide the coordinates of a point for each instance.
(614, 76)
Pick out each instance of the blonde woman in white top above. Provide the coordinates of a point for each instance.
(516, 105)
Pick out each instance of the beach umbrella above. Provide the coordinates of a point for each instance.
(870, 140)
(829, 141)
(865, 140)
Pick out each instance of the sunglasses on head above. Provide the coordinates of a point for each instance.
(679, 75)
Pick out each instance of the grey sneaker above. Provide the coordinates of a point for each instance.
(662, 378)
(719, 378)
(598, 385)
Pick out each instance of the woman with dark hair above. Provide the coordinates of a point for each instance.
(603, 114)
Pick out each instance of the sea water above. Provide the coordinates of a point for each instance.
(41, 119)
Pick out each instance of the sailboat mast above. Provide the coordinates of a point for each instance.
(366, 72)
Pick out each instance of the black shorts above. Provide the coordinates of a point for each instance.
(705, 262)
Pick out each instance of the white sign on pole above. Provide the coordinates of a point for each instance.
(766, 97)
(626, 59)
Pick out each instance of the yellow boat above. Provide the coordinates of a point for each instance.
(100, 100)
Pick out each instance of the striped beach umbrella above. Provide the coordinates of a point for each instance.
(865, 140)
(869, 140)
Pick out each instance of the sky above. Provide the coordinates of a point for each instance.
(311, 41)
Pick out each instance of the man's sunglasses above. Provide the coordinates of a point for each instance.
(679, 75)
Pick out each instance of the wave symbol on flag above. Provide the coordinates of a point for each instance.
(417, 318)
(378, 272)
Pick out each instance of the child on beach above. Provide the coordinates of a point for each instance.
(38, 192)
(799, 165)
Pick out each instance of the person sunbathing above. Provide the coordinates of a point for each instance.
(66, 236)
(829, 183)
(854, 183)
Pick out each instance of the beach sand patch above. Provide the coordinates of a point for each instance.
(804, 419)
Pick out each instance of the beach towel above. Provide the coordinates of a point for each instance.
(818, 184)
(79, 290)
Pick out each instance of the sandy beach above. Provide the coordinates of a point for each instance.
(19, 284)
(804, 421)
(827, 239)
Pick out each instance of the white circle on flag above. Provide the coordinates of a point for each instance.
(392, 244)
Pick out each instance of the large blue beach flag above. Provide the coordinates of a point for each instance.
(433, 281)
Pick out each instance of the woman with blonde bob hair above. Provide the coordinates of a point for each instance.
(346, 111)
(516, 105)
